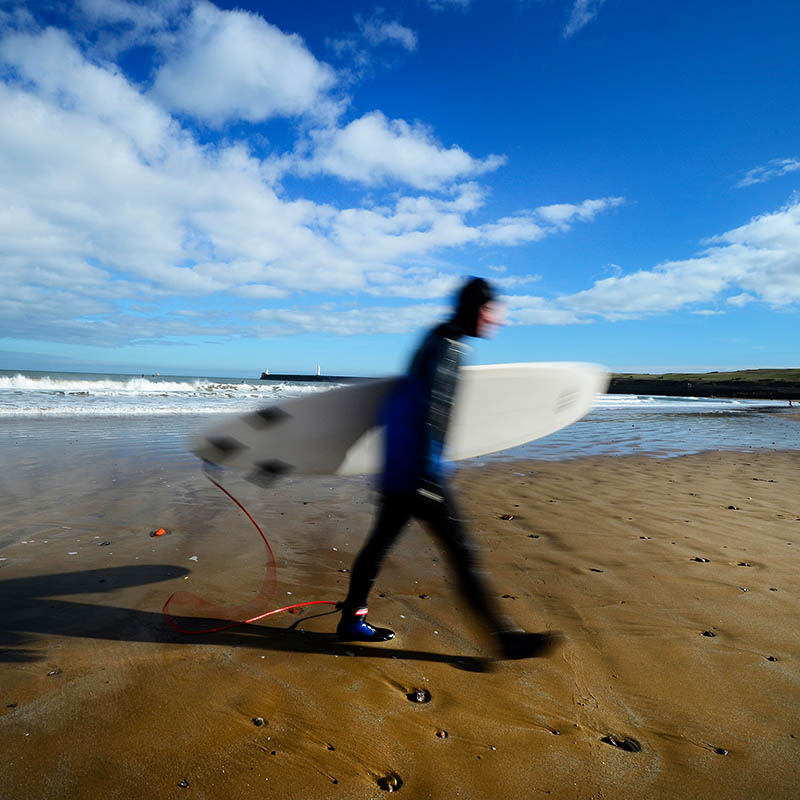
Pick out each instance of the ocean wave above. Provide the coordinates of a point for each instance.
(636, 402)
(119, 412)
(54, 397)
(23, 383)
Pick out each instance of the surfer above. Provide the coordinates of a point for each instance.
(414, 479)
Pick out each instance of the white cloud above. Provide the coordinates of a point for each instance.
(512, 281)
(562, 215)
(514, 230)
(140, 17)
(668, 287)
(373, 149)
(106, 201)
(739, 300)
(171, 215)
(358, 50)
(440, 5)
(761, 258)
(774, 169)
(234, 65)
(532, 310)
(64, 79)
(17, 18)
(422, 283)
(350, 322)
(415, 226)
(258, 291)
(377, 31)
(531, 226)
(582, 13)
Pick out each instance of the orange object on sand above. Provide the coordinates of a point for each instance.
(159, 532)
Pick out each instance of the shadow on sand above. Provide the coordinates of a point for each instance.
(33, 607)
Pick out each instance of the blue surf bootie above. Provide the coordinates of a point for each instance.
(353, 627)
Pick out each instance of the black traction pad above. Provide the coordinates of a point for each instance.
(226, 445)
(274, 467)
(266, 417)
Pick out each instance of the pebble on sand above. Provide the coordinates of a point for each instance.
(623, 743)
(390, 783)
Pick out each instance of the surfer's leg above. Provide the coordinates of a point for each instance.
(510, 640)
(394, 512)
(443, 518)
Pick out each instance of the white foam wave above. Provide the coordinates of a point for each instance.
(644, 403)
(56, 412)
(23, 383)
(131, 396)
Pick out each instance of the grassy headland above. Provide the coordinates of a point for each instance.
(760, 384)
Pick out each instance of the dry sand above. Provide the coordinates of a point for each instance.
(638, 561)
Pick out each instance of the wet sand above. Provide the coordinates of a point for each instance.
(675, 582)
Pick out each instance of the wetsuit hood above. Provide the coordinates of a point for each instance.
(475, 293)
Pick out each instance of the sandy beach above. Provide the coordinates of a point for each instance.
(674, 581)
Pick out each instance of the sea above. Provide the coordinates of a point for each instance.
(154, 415)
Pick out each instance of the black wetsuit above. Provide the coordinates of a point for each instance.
(414, 482)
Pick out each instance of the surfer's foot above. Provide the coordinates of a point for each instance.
(520, 644)
(355, 628)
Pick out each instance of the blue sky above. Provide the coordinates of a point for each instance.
(191, 187)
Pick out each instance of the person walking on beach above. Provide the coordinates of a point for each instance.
(414, 480)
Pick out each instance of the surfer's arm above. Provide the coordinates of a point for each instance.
(442, 379)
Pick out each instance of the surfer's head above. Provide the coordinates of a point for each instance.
(477, 312)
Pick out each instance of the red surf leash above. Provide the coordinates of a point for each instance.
(174, 625)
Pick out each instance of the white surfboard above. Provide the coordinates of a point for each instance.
(496, 407)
